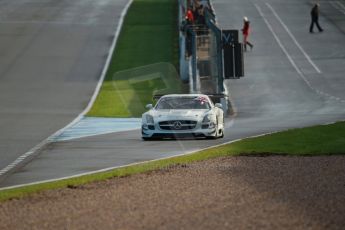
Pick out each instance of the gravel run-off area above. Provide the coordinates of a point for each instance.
(269, 192)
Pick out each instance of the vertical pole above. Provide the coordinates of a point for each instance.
(183, 62)
(194, 61)
(220, 88)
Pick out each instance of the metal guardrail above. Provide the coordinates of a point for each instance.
(184, 64)
(216, 61)
(191, 36)
(201, 55)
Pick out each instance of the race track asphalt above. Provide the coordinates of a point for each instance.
(51, 57)
(293, 79)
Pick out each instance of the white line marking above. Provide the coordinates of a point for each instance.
(80, 116)
(143, 162)
(280, 43)
(341, 5)
(46, 141)
(336, 5)
(111, 51)
(293, 38)
(137, 163)
(290, 58)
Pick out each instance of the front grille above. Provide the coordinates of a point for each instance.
(177, 125)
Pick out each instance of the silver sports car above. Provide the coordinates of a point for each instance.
(179, 115)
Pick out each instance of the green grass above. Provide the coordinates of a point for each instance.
(318, 140)
(149, 35)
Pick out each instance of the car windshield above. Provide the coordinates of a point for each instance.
(198, 102)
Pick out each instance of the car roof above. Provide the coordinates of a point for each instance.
(185, 95)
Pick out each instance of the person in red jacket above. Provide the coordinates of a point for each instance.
(190, 16)
(245, 32)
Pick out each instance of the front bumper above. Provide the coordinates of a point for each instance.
(154, 131)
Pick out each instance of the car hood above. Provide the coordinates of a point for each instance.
(178, 114)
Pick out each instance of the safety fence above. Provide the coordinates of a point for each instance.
(201, 54)
(208, 54)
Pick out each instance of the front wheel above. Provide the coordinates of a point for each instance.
(221, 134)
(216, 136)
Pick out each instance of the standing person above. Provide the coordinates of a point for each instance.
(315, 18)
(245, 32)
(201, 13)
(190, 16)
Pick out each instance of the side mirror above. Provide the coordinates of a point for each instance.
(218, 105)
(149, 106)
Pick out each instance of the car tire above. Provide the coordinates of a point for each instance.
(221, 134)
(216, 135)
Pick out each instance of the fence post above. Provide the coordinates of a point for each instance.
(184, 64)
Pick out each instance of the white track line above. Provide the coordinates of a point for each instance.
(143, 162)
(293, 38)
(341, 5)
(111, 51)
(293, 62)
(95, 95)
(82, 114)
(338, 6)
(138, 163)
(281, 45)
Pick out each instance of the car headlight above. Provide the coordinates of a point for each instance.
(207, 118)
(208, 122)
(149, 119)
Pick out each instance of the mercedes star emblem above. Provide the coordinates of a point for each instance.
(177, 125)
